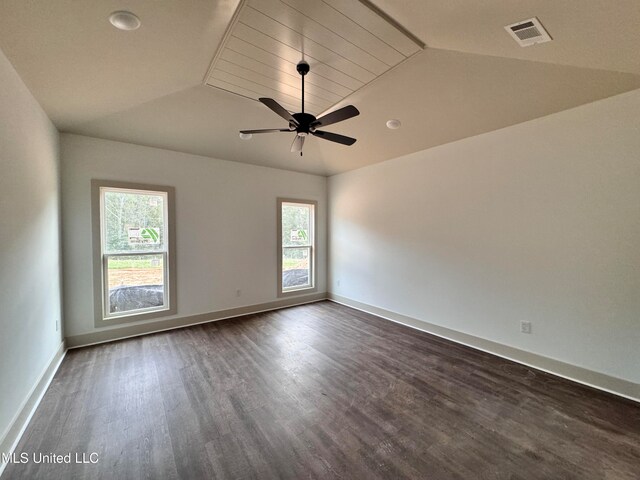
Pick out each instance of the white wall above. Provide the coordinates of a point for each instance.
(538, 222)
(30, 292)
(225, 218)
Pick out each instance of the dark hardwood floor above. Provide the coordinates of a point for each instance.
(321, 391)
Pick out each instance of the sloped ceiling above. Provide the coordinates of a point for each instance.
(147, 86)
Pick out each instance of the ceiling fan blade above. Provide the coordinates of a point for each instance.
(266, 130)
(279, 109)
(334, 137)
(339, 115)
(297, 144)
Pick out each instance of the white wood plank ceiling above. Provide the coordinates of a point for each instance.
(347, 43)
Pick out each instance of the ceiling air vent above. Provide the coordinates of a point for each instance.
(528, 32)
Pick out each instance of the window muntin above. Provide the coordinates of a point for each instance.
(297, 245)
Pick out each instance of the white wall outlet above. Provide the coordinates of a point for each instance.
(338, 283)
(57, 325)
(525, 327)
(238, 292)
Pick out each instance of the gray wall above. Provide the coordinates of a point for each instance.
(537, 222)
(30, 292)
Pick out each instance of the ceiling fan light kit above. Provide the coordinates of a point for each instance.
(305, 124)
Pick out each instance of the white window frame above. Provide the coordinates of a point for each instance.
(103, 316)
(313, 226)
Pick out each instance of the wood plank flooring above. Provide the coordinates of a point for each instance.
(321, 391)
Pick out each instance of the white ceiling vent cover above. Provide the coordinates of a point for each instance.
(528, 32)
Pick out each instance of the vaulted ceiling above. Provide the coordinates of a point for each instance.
(149, 86)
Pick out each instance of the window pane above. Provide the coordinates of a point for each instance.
(133, 221)
(135, 282)
(296, 225)
(296, 267)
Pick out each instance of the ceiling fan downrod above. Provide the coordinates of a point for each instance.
(303, 69)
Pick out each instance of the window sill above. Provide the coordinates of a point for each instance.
(135, 317)
(297, 291)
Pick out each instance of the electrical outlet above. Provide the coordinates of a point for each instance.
(525, 327)
(238, 292)
(57, 325)
(338, 283)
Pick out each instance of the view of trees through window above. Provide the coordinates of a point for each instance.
(124, 212)
(134, 223)
(296, 245)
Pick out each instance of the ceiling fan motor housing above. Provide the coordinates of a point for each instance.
(304, 122)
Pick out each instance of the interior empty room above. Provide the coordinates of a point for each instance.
(319, 239)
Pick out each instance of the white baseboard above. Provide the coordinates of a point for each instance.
(110, 335)
(21, 420)
(600, 381)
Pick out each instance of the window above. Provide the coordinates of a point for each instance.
(134, 260)
(296, 246)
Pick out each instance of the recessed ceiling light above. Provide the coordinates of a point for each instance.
(124, 20)
(394, 124)
(245, 136)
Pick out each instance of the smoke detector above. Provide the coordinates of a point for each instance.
(528, 32)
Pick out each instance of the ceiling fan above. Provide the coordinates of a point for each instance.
(304, 123)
